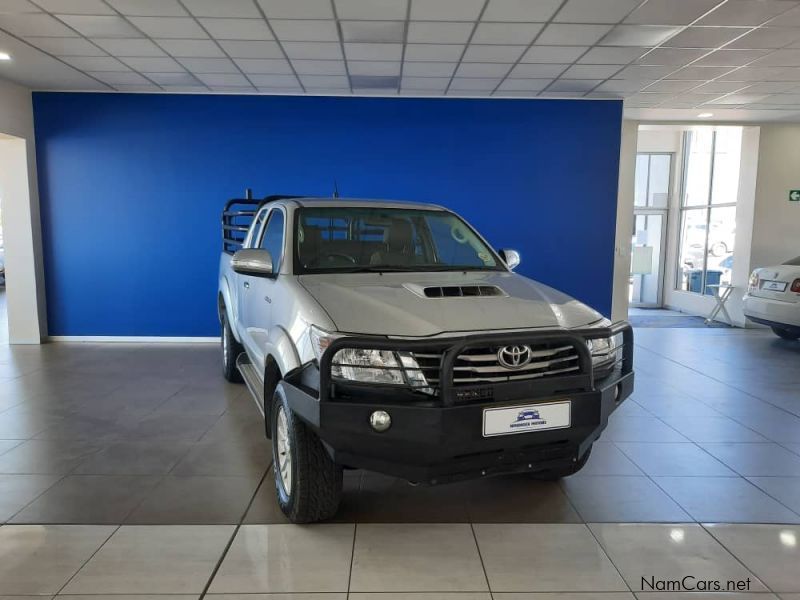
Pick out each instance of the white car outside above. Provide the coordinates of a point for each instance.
(773, 298)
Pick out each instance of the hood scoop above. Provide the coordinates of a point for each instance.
(455, 291)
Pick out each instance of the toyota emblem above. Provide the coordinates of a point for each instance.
(514, 357)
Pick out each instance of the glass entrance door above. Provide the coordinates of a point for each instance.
(651, 201)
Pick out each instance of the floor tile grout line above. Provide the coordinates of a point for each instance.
(56, 482)
(235, 532)
(86, 562)
(608, 556)
(480, 557)
(732, 554)
(352, 558)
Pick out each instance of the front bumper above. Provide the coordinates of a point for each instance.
(439, 441)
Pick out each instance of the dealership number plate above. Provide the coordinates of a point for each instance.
(773, 286)
(525, 419)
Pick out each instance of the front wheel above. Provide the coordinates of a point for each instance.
(785, 334)
(308, 483)
(560, 473)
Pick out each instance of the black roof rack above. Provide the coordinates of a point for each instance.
(238, 215)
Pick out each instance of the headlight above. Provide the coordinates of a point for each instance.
(752, 285)
(320, 340)
(605, 350)
(381, 367)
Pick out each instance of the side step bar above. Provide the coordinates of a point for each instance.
(252, 380)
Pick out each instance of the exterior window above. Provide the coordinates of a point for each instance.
(652, 180)
(272, 239)
(708, 208)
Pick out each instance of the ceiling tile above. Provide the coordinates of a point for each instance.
(254, 49)
(782, 99)
(595, 11)
(153, 65)
(315, 50)
(11, 7)
(429, 69)
(767, 37)
(374, 83)
(720, 87)
(780, 58)
(704, 37)
(305, 30)
(482, 70)
(237, 29)
(623, 85)
(172, 78)
(474, 84)
(611, 56)
(478, 53)
(228, 8)
(469, 93)
(639, 35)
(169, 27)
(670, 12)
(372, 9)
(740, 99)
(293, 9)
(746, 12)
(574, 85)
(770, 87)
(41, 25)
(191, 48)
(148, 8)
(295, 89)
(137, 88)
(425, 83)
(209, 65)
(434, 52)
(553, 54)
(446, 10)
(264, 66)
(373, 31)
(129, 47)
(520, 10)
(412, 93)
(223, 79)
(671, 56)
(274, 80)
(591, 71)
(506, 33)
(672, 86)
(379, 68)
(699, 73)
(75, 7)
(373, 51)
(644, 72)
(537, 71)
(325, 81)
(100, 26)
(69, 46)
(95, 63)
(561, 34)
(319, 67)
(755, 74)
(729, 58)
(524, 85)
(125, 78)
(438, 32)
(787, 19)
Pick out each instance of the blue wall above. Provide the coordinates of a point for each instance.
(132, 187)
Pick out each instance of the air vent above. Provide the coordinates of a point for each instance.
(458, 291)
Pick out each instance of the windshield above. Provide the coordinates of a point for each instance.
(356, 239)
(795, 262)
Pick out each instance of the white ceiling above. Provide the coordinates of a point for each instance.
(669, 59)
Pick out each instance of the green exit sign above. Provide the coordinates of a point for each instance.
(794, 195)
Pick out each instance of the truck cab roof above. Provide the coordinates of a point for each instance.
(360, 203)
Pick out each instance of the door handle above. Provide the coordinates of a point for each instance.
(247, 285)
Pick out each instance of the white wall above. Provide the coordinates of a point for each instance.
(21, 222)
(622, 243)
(776, 222)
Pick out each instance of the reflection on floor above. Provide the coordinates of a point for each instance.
(663, 318)
(3, 317)
(139, 456)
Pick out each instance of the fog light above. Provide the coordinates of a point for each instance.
(617, 392)
(380, 421)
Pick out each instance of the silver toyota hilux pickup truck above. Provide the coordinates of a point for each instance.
(389, 336)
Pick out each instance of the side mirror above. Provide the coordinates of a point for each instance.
(252, 261)
(510, 257)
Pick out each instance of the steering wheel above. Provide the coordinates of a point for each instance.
(327, 258)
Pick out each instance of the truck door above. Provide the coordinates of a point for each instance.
(257, 313)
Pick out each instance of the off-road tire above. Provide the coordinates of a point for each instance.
(316, 481)
(556, 474)
(785, 334)
(231, 349)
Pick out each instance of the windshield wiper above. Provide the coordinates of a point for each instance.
(376, 269)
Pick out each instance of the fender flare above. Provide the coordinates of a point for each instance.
(227, 304)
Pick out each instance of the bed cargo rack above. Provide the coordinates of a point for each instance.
(238, 215)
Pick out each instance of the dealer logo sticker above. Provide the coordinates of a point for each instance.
(527, 418)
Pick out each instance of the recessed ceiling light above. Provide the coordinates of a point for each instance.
(5, 56)
(705, 115)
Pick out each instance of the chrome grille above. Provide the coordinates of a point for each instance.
(481, 365)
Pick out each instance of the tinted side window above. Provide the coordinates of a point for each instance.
(272, 239)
